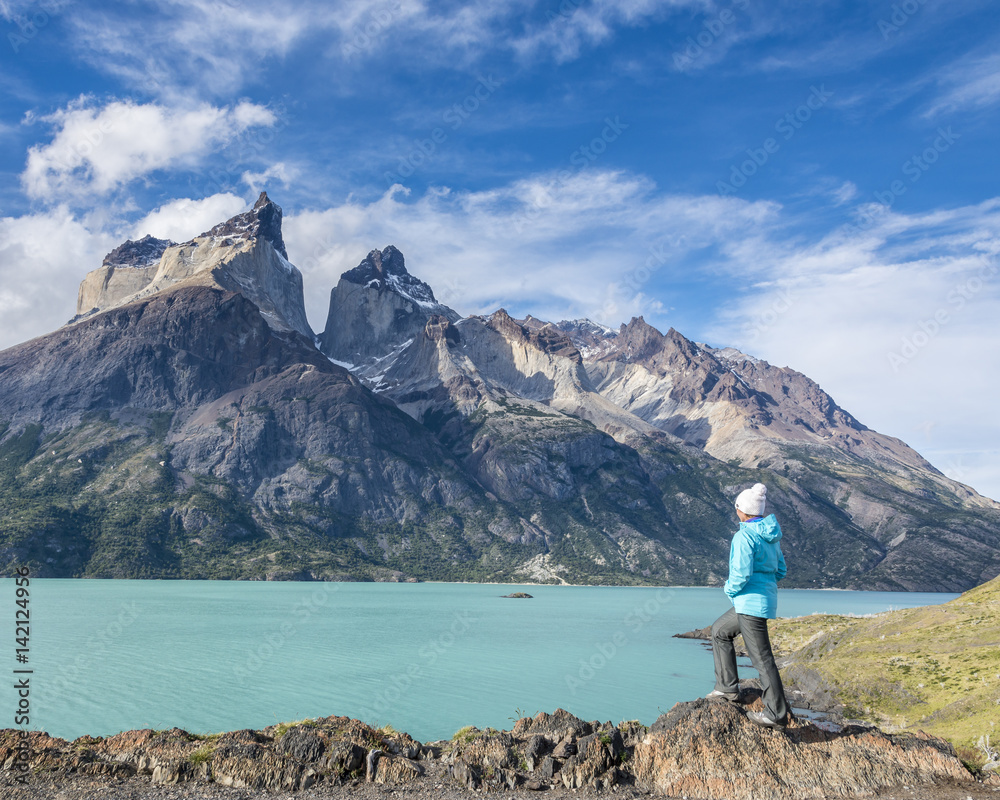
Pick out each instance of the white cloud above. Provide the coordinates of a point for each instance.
(897, 322)
(44, 256)
(183, 219)
(559, 246)
(40, 268)
(97, 149)
(27, 13)
(258, 181)
(217, 47)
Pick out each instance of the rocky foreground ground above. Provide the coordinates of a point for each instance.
(702, 749)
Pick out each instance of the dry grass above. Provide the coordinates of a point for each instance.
(933, 668)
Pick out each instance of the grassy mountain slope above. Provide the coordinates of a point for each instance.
(933, 668)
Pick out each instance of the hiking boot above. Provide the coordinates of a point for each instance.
(715, 694)
(761, 718)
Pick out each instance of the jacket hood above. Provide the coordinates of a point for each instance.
(766, 528)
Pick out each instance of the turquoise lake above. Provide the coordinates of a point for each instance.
(427, 658)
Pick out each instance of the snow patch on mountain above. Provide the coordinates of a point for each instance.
(415, 290)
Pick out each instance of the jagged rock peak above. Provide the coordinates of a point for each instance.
(592, 339)
(505, 324)
(585, 327)
(533, 323)
(376, 265)
(545, 336)
(143, 252)
(639, 340)
(501, 316)
(730, 355)
(386, 271)
(263, 220)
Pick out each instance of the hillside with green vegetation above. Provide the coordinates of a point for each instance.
(194, 429)
(932, 668)
(104, 499)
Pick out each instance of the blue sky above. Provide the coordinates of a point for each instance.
(813, 183)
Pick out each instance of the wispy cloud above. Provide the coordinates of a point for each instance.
(572, 26)
(98, 148)
(895, 320)
(163, 50)
(969, 84)
(844, 193)
(214, 48)
(31, 11)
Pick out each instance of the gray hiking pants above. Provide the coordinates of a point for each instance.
(754, 630)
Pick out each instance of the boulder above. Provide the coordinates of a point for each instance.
(174, 772)
(554, 727)
(397, 769)
(595, 764)
(534, 750)
(565, 748)
(255, 766)
(345, 758)
(491, 751)
(302, 744)
(549, 767)
(465, 774)
(711, 750)
(499, 778)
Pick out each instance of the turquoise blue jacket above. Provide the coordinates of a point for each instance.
(755, 567)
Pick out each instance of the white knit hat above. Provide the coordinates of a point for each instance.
(751, 501)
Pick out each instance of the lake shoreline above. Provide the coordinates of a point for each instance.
(337, 758)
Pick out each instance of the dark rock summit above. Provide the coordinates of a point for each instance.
(263, 220)
(376, 308)
(386, 271)
(144, 252)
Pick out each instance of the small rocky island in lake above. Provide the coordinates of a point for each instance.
(517, 594)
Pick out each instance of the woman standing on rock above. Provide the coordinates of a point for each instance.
(755, 567)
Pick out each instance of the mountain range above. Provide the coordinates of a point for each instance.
(188, 422)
